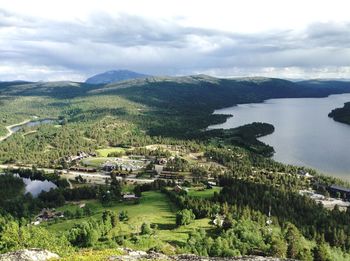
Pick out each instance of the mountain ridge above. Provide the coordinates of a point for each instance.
(114, 76)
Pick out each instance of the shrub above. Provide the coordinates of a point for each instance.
(184, 217)
(145, 229)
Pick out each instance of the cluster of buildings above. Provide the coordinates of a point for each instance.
(339, 196)
(124, 164)
(80, 155)
(83, 169)
(339, 191)
(47, 215)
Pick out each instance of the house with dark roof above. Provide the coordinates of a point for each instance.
(335, 190)
(130, 197)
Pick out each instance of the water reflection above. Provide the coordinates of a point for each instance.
(31, 124)
(34, 187)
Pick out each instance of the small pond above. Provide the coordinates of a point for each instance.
(34, 187)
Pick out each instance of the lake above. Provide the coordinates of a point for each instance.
(32, 124)
(34, 187)
(304, 134)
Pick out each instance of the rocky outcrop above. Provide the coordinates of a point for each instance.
(28, 255)
(131, 255)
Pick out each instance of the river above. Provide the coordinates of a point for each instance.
(304, 134)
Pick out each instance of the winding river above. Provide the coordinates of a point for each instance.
(304, 134)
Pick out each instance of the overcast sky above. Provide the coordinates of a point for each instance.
(71, 40)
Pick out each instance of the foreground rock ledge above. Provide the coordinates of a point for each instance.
(33, 254)
(132, 255)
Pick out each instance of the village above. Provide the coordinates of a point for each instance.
(170, 163)
(146, 168)
(149, 163)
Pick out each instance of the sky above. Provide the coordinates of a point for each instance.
(72, 40)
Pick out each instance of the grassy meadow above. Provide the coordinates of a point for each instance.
(104, 152)
(153, 208)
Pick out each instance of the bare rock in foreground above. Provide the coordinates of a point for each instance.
(131, 255)
(28, 255)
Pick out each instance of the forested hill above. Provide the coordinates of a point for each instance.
(197, 89)
(196, 92)
(326, 87)
(175, 105)
(185, 105)
(59, 90)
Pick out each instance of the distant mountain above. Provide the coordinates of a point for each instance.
(16, 81)
(114, 76)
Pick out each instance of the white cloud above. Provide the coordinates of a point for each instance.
(50, 40)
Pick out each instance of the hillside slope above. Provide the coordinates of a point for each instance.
(193, 99)
(172, 106)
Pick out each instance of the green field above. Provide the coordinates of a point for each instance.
(207, 193)
(105, 152)
(154, 208)
(96, 162)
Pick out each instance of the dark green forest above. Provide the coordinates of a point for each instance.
(341, 114)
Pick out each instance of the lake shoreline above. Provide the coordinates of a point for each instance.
(304, 136)
(10, 131)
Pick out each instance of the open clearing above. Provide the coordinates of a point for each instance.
(154, 208)
(207, 193)
(105, 152)
(96, 162)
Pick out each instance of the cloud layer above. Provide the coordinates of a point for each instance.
(34, 48)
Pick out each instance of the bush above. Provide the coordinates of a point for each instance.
(84, 234)
(123, 216)
(184, 217)
(145, 229)
(321, 253)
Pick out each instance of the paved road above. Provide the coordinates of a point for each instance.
(9, 129)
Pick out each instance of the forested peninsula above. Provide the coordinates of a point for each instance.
(341, 114)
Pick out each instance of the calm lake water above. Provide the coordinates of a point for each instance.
(304, 134)
(34, 187)
(32, 124)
